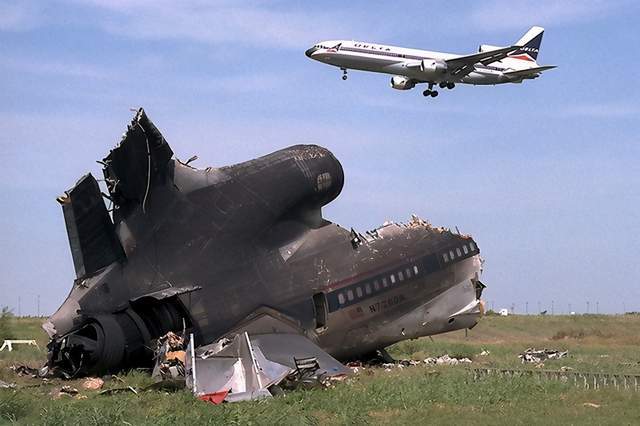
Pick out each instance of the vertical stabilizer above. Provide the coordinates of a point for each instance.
(530, 43)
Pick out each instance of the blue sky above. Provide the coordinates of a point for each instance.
(545, 175)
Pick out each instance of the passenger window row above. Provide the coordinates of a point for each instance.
(458, 252)
(378, 284)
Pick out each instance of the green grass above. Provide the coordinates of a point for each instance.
(413, 395)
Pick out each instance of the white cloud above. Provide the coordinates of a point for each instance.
(603, 110)
(48, 67)
(19, 15)
(253, 23)
(507, 15)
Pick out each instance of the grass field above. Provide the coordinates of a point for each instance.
(413, 395)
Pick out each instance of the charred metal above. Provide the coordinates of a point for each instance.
(244, 250)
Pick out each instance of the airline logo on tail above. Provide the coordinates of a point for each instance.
(530, 43)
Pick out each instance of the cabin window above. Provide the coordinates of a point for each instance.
(376, 285)
(392, 278)
(465, 249)
(451, 255)
(445, 257)
(458, 252)
(341, 298)
(472, 245)
(320, 307)
(349, 295)
(415, 269)
(359, 292)
(400, 276)
(408, 273)
(367, 288)
(384, 282)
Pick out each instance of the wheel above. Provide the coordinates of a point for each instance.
(434, 93)
(451, 85)
(443, 85)
(344, 77)
(427, 93)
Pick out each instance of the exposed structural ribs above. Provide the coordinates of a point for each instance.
(137, 165)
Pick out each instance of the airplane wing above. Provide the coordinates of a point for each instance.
(528, 73)
(463, 65)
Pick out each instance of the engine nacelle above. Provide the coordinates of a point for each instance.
(402, 83)
(433, 67)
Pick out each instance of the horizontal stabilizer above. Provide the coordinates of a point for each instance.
(528, 72)
(94, 243)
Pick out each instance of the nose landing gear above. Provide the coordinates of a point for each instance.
(344, 73)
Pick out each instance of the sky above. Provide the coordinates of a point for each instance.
(545, 175)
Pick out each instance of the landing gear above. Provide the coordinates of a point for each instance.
(344, 73)
(447, 85)
(451, 85)
(430, 91)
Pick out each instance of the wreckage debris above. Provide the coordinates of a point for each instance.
(92, 383)
(537, 356)
(170, 357)
(5, 385)
(446, 360)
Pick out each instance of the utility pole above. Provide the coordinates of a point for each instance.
(38, 306)
(526, 308)
(552, 307)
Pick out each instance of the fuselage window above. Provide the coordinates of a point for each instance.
(392, 278)
(384, 282)
(465, 249)
(451, 255)
(376, 285)
(459, 252)
(367, 288)
(359, 292)
(472, 245)
(400, 276)
(445, 257)
(349, 295)
(415, 269)
(341, 298)
(408, 273)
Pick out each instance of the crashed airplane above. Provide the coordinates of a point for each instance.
(241, 252)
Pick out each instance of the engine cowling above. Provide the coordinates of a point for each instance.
(402, 83)
(433, 67)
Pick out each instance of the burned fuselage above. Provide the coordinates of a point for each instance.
(209, 251)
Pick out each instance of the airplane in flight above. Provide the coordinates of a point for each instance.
(491, 65)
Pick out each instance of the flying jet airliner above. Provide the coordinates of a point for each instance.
(491, 65)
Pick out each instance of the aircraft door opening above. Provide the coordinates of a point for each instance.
(320, 309)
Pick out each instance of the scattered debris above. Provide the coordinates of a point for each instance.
(5, 385)
(170, 357)
(591, 404)
(484, 353)
(537, 356)
(25, 370)
(93, 383)
(446, 360)
(565, 368)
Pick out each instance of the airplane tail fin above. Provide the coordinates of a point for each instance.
(530, 43)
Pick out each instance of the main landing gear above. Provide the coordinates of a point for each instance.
(447, 85)
(344, 73)
(430, 91)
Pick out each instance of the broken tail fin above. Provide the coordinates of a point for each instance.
(530, 43)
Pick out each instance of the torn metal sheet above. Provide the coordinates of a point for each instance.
(219, 252)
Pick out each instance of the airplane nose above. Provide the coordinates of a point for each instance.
(310, 51)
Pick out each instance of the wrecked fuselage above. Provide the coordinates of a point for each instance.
(209, 251)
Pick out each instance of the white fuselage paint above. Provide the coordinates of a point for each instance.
(394, 60)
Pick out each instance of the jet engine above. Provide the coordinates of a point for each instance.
(433, 67)
(402, 83)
